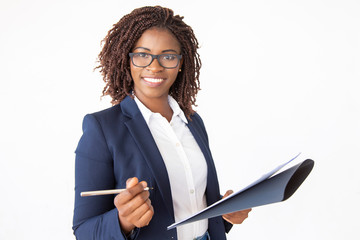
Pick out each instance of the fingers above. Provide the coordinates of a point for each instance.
(142, 215)
(133, 188)
(228, 192)
(133, 205)
(237, 217)
(128, 203)
(131, 182)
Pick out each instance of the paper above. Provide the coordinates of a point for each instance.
(267, 189)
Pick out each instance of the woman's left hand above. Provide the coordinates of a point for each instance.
(235, 217)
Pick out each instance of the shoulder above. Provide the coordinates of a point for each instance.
(101, 118)
(120, 112)
(108, 113)
(103, 128)
(104, 117)
(196, 117)
(197, 123)
(197, 120)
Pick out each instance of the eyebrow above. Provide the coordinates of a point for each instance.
(166, 50)
(142, 48)
(169, 50)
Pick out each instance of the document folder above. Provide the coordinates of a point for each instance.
(268, 189)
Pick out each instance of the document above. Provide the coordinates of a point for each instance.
(268, 189)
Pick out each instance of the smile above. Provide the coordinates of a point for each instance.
(153, 80)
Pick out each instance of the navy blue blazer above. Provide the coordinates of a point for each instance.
(116, 145)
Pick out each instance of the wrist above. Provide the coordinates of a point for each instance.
(126, 227)
(129, 234)
(133, 234)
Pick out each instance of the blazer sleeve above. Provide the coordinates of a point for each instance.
(95, 217)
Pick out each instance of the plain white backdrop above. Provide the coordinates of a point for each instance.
(278, 78)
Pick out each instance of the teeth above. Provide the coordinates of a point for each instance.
(154, 80)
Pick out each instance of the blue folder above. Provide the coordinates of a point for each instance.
(269, 189)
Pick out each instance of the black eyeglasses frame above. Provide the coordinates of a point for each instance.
(157, 58)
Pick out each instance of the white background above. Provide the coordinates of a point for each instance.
(278, 78)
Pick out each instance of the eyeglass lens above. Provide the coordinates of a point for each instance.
(165, 60)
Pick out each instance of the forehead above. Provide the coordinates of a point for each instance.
(157, 40)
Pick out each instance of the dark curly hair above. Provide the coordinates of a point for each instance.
(114, 57)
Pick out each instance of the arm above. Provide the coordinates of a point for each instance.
(94, 217)
(97, 217)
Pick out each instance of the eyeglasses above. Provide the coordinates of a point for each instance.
(141, 59)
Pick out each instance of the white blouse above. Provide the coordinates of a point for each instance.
(185, 164)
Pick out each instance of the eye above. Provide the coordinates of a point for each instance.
(169, 57)
(142, 55)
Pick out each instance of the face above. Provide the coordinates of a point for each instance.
(154, 81)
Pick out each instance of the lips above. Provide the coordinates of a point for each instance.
(153, 81)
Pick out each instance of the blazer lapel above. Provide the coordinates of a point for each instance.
(145, 141)
(212, 187)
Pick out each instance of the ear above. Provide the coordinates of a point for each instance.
(181, 63)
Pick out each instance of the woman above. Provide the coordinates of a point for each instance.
(151, 69)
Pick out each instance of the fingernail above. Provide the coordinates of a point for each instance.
(130, 181)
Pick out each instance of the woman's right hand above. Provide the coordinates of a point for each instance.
(134, 205)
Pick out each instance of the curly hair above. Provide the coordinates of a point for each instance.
(114, 63)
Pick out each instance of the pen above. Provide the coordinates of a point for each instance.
(106, 192)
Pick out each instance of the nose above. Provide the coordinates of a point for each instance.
(155, 66)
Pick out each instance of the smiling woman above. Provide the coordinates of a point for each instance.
(120, 41)
(152, 82)
(151, 69)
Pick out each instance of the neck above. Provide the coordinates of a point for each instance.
(158, 105)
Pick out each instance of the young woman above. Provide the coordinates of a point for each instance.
(150, 137)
